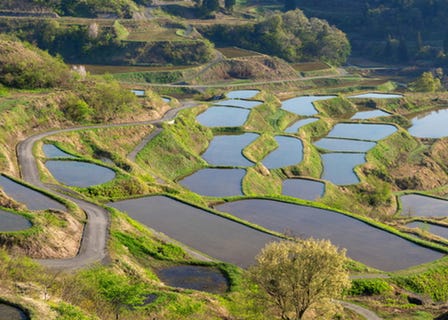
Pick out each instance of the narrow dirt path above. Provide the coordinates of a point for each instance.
(93, 246)
(366, 313)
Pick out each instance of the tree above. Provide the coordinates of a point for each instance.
(294, 276)
(426, 83)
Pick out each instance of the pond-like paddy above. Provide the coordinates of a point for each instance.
(13, 222)
(303, 106)
(194, 277)
(414, 205)
(289, 152)
(370, 114)
(430, 125)
(79, 174)
(299, 124)
(344, 145)
(8, 312)
(31, 198)
(166, 100)
(431, 228)
(377, 96)
(242, 94)
(362, 131)
(339, 167)
(246, 104)
(303, 188)
(215, 182)
(227, 150)
(216, 236)
(51, 151)
(223, 117)
(138, 93)
(363, 242)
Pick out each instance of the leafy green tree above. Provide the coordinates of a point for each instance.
(426, 83)
(116, 289)
(293, 277)
(209, 6)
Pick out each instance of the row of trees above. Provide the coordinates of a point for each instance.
(291, 36)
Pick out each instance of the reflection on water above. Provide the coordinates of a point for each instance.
(297, 125)
(370, 114)
(430, 125)
(378, 96)
(303, 106)
(242, 94)
(223, 117)
(363, 242)
(215, 182)
(303, 188)
(8, 312)
(32, 199)
(194, 277)
(431, 228)
(247, 104)
(339, 167)
(79, 174)
(344, 145)
(289, 152)
(216, 236)
(362, 131)
(51, 151)
(13, 222)
(415, 205)
(227, 150)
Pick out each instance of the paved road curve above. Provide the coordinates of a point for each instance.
(93, 246)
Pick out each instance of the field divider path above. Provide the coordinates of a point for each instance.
(93, 247)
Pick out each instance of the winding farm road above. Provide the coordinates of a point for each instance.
(93, 246)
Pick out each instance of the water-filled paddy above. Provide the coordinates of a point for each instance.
(216, 236)
(79, 174)
(303, 188)
(194, 277)
(51, 151)
(431, 228)
(32, 199)
(297, 125)
(227, 150)
(289, 152)
(430, 125)
(339, 167)
(377, 96)
(364, 243)
(415, 205)
(242, 94)
(13, 222)
(246, 104)
(344, 145)
(166, 100)
(303, 106)
(215, 182)
(370, 114)
(223, 117)
(8, 312)
(362, 131)
(138, 93)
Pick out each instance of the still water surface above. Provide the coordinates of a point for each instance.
(216, 236)
(363, 242)
(215, 182)
(33, 199)
(79, 174)
(223, 117)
